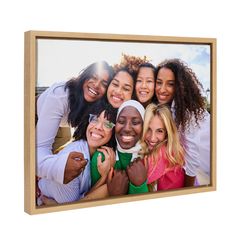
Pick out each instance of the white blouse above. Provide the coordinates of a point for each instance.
(196, 143)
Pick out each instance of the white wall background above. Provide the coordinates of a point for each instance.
(198, 214)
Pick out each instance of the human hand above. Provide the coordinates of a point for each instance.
(137, 172)
(105, 166)
(117, 182)
(48, 201)
(74, 166)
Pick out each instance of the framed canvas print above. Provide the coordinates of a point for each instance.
(117, 118)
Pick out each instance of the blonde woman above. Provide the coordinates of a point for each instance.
(162, 149)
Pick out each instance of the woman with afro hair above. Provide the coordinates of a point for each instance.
(178, 86)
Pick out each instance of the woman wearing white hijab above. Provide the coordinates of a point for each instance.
(128, 131)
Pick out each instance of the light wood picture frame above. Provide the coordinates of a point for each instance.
(97, 46)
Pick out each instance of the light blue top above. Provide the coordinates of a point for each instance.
(51, 171)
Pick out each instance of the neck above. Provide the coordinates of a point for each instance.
(92, 151)
(145, 104)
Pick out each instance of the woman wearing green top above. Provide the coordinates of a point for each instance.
(129, 174)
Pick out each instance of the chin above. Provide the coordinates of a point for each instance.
(116, 105)
(127, 146)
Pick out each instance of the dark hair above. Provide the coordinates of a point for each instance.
(145, 65)
(131, 73)
(96, 109)
(148, 65)
(188, 101)
(130, 65)
(77, 103)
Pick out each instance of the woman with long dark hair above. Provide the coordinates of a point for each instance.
(145, 83)
(63, 104)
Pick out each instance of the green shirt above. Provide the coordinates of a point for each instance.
(121, 164)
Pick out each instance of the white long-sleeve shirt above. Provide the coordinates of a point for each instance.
(52, 111)
(51, 171)
(196, 142)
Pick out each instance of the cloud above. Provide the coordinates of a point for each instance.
(59, 60)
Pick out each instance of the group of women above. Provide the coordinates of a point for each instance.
(137, 128)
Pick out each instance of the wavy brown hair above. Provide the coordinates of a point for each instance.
(131, 63)
(188, 101)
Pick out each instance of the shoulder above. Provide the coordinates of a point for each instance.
(54, 98)
(162, 153)
(203, 123)
(58, 90)
(79, 146)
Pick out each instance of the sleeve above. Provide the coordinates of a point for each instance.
(95, 175)
(191, 140)
(117, 165)
(143, 188)
(196, 142)
(52, 167)
(205, 145)
(51, 109)
(171, 180)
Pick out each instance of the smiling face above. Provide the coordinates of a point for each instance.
(120, 89)
(165, 86)
(145, 84)
(156, 132)
(129, 126)
(98, 133)
(95, 87)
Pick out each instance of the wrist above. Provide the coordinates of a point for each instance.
(137, 183)
(143, 188)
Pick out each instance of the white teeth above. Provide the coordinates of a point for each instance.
(152, 144)
(92, 91)
(96, 136)
(143, 93)
(116, 98)
(161, 95)
(127, 138)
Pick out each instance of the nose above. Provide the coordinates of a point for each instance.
(99, 125)
(143, 84)
(118, 90)
(97, 83)
(163, 88)
(127, 127)
(153, 137)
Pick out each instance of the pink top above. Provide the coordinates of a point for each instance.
(168, 178)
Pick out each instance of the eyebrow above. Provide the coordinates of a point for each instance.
(116, 80)
(145, 77)
(98, 77)
(167, 80)
(132, 117)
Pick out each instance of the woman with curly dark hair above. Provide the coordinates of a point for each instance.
(65, 176)
(178, 86)
(122, 86)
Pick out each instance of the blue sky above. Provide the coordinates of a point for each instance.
(59, 60)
